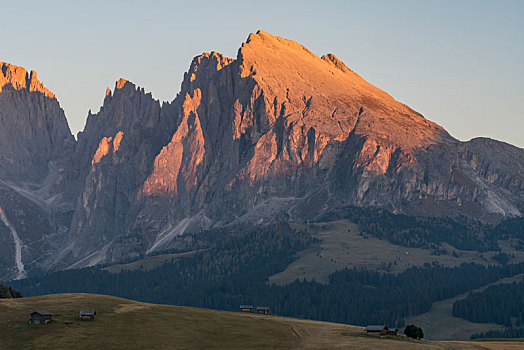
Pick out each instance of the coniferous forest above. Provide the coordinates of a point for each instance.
(502, 304)
(506, 333)
(429, 232)
(235, 268)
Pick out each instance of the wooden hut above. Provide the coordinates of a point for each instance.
(392, 331)
(87, 315)
(246, 308)
(381, 330)
(40, 317)
(376, 330)
(263, 310)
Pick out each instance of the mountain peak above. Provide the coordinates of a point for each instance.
(123, 86)
(331, 58)
(33, 127)
(19, 79)
(264, 40)
(315, 87)
(120, 83)
(203, 67)
(218, 60)
(260, 34)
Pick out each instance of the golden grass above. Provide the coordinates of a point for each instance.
(125, 324)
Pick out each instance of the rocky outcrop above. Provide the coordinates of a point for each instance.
(33, 127)
(114, 155)
(35, 144)
(277, 133)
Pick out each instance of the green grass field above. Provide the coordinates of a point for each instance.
(344, 247)
(150, 262)
(125, 324)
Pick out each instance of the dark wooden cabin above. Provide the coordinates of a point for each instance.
(381, 330)
(392, 331)
(87, 315)
(40, 317)
(246, 308)
(376, 330)
(263, 310)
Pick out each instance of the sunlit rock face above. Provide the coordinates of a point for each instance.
(277, 133)
(33, 127)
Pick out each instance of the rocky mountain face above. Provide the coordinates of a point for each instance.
(276, 134)
(113, 156)
(35, 143)
(33, 127)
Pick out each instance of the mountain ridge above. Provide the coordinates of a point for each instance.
(19, 79)
(278, 133)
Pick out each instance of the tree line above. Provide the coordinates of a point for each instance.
(430, 232)
(501, 304)
(506, 333)
(234, 270)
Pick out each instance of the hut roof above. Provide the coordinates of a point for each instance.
(87, 313)
(375, 328)
(42, 313)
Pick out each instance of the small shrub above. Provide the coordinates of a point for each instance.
(414, 332)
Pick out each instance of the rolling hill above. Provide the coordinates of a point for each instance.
(126, 324)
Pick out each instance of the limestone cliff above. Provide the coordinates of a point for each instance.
(33, 127)
(277, 133)
(35, 144)
(114, 154)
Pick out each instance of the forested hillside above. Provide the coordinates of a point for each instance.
(235, 269)
(430, 232)
(502, 304)
(494, 334)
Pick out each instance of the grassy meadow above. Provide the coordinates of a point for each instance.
(126, 324)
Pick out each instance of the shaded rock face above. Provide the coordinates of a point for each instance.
(33, 127)
(114, 156)
(35, 143)
(27, 226)
(276, 134)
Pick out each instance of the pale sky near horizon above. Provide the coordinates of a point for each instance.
(459, 63)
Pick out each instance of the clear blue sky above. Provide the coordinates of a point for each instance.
(459, 63)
